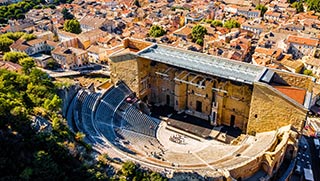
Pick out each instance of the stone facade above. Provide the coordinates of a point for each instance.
(126, 71)
(284, 145)
(254, 108)
(207, 97)
(295, 80)
(270, 110)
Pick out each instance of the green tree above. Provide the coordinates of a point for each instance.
(199, 42)
(262, 8)
(2, 19)
(207, 20)
(299, 6)
(231, 24)
(18, 11)
(313, 5)
(27, 64)
(29, 36)
(307, 72)
(27, 7)
(52, 64)
(13, 36)
(51, 6)
(5, 42)
(14, 56)
(156, 31)
(26, 173)
(216, 23)
(53, 104)
(72, 26)
(20, 16)
(154, 176)
(37, 7)
(66, 14)
(198, 33)
(79, 136)
(46, 167)
(128, 169)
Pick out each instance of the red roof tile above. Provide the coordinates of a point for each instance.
(292, 92)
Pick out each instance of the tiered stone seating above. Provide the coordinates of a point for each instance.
(106, 110)
(87, 116)
(124, 88)
(124, 106)
(139, 122)
(81, 96)
(109, 117)
(140, 141)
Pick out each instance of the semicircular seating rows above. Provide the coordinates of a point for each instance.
(107, 117)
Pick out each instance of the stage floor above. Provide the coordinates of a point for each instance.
(182, 121)
(190, 124)
(190, 128)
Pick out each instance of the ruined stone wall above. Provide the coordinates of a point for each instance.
(274, 157)
(135, 44)
(295, 80)
(236, 102)
(180, 96)
(247, 169)
(127, 71)
(143, 66)
(203, 95)
(268, 161)
(163, 87)
(270, 110)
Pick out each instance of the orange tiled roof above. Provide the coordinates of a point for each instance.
(19, 45)
(10, 66)
(262, 61)
(35, 41)
(265, 51)
(302, 40)
(292, 92)
(271, 13)
(186, 30)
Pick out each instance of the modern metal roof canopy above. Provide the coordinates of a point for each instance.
(212, 65)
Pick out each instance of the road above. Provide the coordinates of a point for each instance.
(314, 158)
(83, 71)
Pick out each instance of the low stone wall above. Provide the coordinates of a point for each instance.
(67, 94)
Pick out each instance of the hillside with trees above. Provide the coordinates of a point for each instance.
(32, 151)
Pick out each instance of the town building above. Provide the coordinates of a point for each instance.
(70, 58)
(248, 12)
(301, 46)
(97, 54)
(31, 47)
